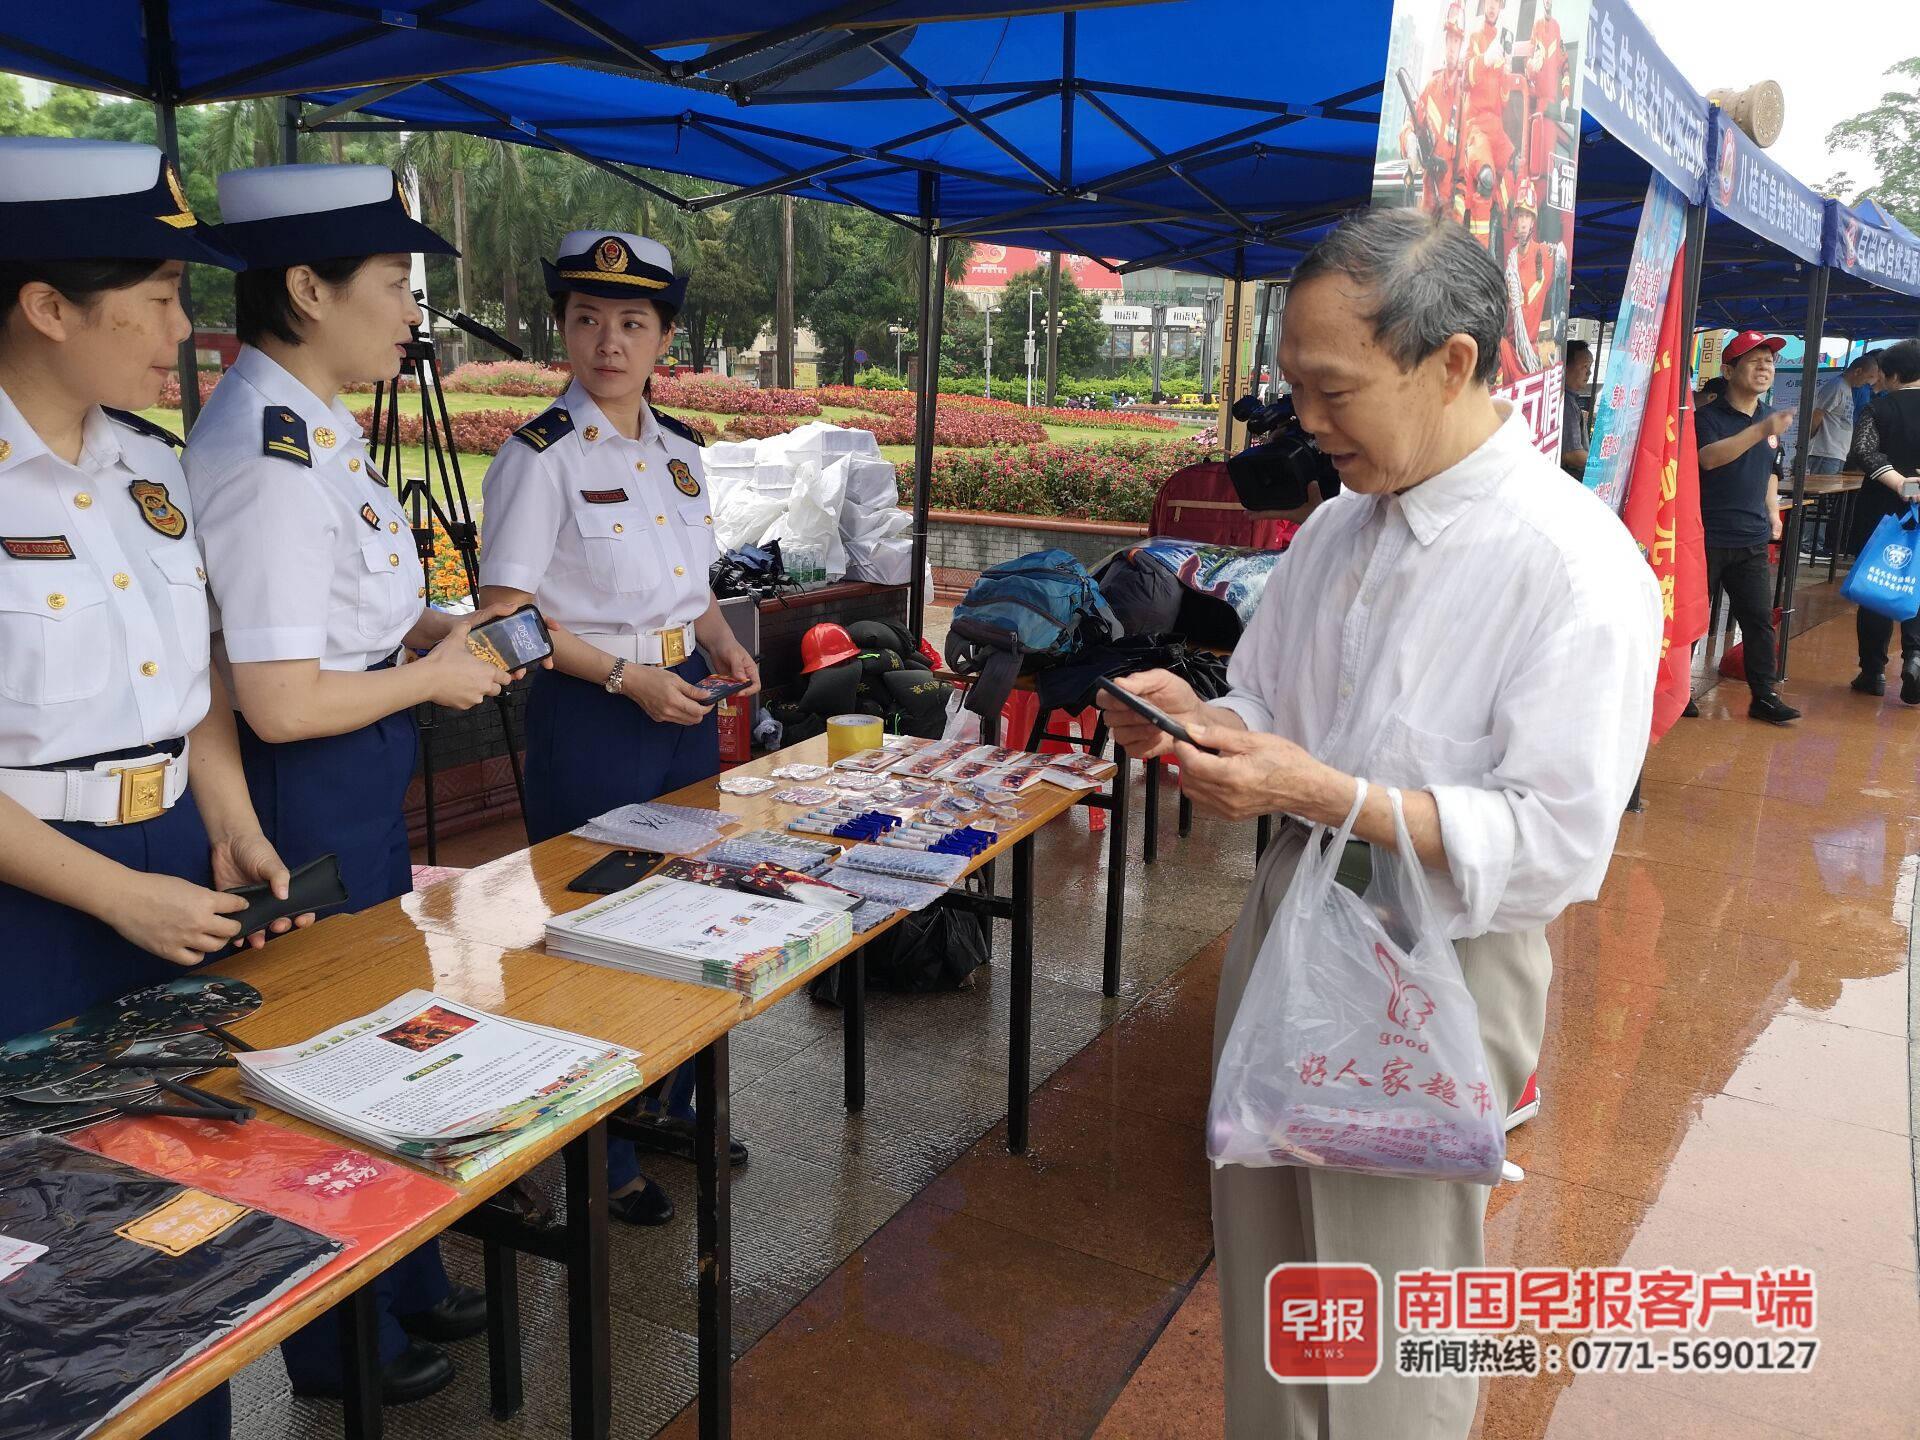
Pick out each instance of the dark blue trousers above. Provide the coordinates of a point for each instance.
(588, 752)
(345, 795)
(58, 961)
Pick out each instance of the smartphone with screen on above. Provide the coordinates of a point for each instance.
(513, 641)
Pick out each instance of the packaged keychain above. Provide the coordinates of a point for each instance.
(745, 785)
(799, 771)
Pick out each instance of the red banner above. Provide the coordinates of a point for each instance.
(1662, 511)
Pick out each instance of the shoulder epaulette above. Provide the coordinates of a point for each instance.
(679, 427)
(284, 433)
(545, 428)
(140, 425)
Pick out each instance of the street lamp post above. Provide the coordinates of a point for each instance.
(1031, 352)
(899, 333)
(991, 311)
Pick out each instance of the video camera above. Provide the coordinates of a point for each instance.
(1274, 473)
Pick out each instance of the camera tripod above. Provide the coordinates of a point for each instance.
(449, 507)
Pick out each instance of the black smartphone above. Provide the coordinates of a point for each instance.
(1151, 713)
(612, 873)
(514, 641)
(716, 688)
(314, 886)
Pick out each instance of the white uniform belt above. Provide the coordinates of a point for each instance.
(651, 647)
(112, 792)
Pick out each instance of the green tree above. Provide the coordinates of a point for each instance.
(15, 117)
(963, 338)
(1890, 134)
(1083, 338)
(729, 296)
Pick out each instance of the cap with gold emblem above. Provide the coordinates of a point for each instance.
(282, 215)
(616, 266)
(97, 200)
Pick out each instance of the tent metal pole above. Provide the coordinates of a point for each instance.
(165, 81)
(1817, 283)
(290, 130)
(965, 116)
(933, 255)
(1695, 239)
(1067, 41)
(783, 341)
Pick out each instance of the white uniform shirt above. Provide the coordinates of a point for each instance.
(103, 615)
(307, 562)
(1491, 636)
(610, 536)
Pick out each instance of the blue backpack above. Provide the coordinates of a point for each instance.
(1023, 615)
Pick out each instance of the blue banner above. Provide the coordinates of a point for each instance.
(1636, 342)
(1879, 255)
(1757, 193)
(1642, 99)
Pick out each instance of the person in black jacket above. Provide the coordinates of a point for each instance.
(1886, 448)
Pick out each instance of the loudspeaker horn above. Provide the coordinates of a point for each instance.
(1760, 109)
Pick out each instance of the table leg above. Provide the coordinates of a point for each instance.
(714, 1238)
(1150, 841)
(853, 1026)
(1186, 815)
(1262, 835)
(1020, 1002)
(1116, 874)
(360, 1364)
(589, 1332)
(505, 1389)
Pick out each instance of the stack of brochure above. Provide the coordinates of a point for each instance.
(449, 1087)
(678, 930)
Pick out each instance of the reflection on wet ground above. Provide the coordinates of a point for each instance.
(1725, 1084)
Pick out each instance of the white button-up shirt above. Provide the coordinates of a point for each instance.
(103, 614)
(1490, 635)
(610, 536)
(308, 563)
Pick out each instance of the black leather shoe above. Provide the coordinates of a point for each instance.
(462, 1315)
(1869, 682)
(1692, 712)
(670, 1135)
(1772, 709)
(649, 1205)
(1910, 681)
(421, 1370)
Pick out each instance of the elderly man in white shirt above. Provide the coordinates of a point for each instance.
(1462, 622)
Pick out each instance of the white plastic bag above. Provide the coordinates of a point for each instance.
(812, 521)
(1357, 1044)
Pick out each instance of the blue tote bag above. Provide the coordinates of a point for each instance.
(1886, 575)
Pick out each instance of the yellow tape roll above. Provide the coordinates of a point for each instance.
(850, 734)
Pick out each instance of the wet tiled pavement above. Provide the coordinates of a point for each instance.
(1725, 1081)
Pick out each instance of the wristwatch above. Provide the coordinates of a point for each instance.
(614, 676)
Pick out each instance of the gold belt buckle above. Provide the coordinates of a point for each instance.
(143, 791)
(673, 645)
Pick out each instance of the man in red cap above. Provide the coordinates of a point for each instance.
(1740, 505)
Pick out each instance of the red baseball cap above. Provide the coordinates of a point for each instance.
(1747, 340)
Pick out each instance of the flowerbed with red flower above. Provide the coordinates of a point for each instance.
(506, 377)
(729, 397)
(1114, 481)
(483, 432)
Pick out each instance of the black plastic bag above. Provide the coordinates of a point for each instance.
(938, 948)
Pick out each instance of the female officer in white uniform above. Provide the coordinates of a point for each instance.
(318, 587)
(121, 796)
(597, 510)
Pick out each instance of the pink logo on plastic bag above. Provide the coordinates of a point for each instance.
(1408, 1006)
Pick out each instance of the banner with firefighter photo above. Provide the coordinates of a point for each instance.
(1480, 122)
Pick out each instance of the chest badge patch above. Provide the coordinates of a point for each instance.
(603, 497)
(367, 514)
(683, 480)
(37, 547)
(157, 509)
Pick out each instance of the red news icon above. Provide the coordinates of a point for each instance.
(1324, 1324)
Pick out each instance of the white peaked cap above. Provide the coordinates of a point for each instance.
(274, 192)
(647, 252)
(37, 168)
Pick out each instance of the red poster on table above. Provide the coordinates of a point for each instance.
(359, 1199)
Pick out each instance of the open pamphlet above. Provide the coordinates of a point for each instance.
(680, 930)
(447, 1086)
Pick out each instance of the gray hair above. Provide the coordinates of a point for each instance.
(1430, 278)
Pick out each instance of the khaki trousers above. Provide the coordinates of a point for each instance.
(1262, 1218)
